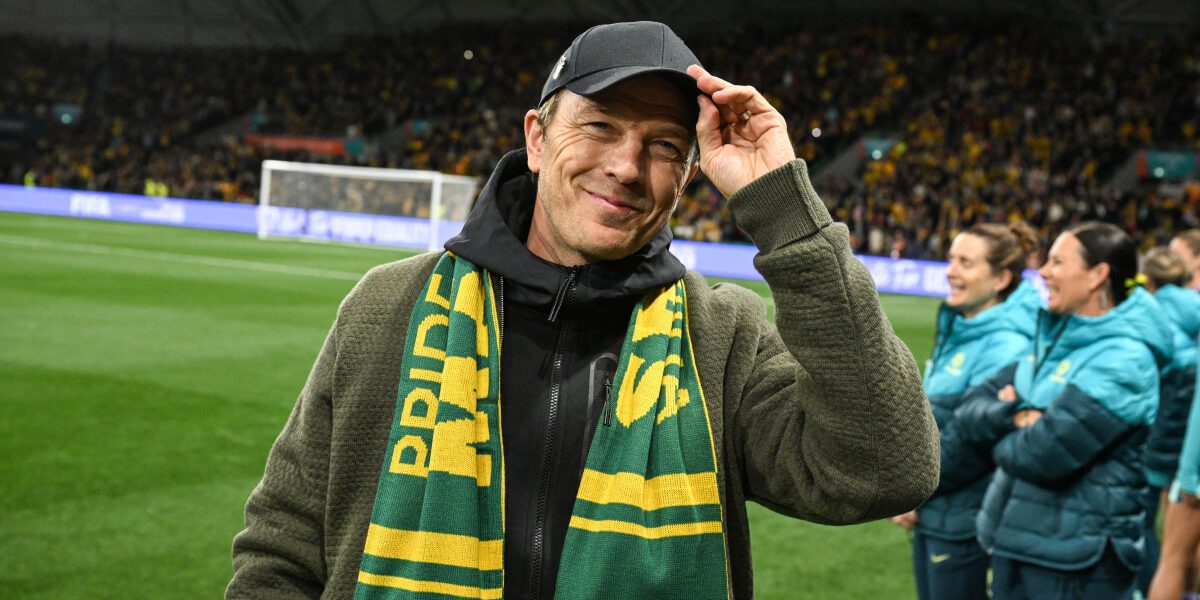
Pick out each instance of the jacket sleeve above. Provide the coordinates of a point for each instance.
(832, 424)
(1071, 433)
(1161, 455)
(1187, 478)
(965, 460)
(280, 553)
(983, 418)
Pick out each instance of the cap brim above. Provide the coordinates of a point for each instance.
(596, 82)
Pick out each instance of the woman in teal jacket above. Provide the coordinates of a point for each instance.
(985, 323)
(1177, 567)
(1064, 511)
(1165, 275)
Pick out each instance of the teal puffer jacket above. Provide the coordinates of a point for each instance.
(1178, 385)
(966, 353)
(1072, 483)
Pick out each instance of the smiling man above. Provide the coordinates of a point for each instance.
(577, 415)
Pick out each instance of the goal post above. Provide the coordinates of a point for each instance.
(369, 205)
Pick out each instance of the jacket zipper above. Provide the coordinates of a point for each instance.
(607, 402)
(500, 336)
(566, 292)
(565, 288)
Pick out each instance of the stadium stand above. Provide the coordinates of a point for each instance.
(981, 124)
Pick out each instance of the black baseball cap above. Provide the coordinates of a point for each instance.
(609, 54)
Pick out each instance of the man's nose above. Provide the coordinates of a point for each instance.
(623, 161)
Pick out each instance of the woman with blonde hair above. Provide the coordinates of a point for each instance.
(1166, 275)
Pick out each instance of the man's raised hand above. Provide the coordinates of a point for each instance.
(741, 136)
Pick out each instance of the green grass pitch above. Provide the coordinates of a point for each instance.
(145, 372)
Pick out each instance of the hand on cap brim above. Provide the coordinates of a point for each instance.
(741, 136)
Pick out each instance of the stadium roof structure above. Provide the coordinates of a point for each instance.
(315, 23)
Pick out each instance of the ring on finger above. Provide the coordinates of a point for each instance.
(745, 115)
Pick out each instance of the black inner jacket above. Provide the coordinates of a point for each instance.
(561, 339)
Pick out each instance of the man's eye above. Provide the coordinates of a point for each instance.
(668, 147)
(599, 125)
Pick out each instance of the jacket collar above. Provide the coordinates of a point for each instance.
(1017, 313)
(494, 234)
(1183, 306)
(1139, 317)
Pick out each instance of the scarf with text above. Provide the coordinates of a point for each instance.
(647, 520)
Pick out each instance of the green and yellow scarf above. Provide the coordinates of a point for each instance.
(647, 521)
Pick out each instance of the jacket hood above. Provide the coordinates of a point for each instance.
(494, 234)
(1018, 313)
(1138, 318)
(1183, 306)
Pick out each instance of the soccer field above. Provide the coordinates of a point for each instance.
(146, 371)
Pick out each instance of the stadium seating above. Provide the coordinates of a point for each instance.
(998, 124)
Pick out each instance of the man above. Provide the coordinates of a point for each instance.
(577, 415)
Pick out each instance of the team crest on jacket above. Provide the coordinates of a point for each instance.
(1061, 373)
(956, 364)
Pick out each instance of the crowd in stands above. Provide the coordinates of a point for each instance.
(993, 125)
(1024, 127)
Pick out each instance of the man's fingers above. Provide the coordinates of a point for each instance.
(708, 125)
(732, 100)
(742, 97)
(707, 82)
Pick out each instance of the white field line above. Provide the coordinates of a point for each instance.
(207, 261)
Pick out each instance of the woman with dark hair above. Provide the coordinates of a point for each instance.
(985, 323)
(1063, 514)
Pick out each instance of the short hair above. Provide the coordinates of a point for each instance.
(1109, 244)
(1163, 267)
(546, 112)
(1008, 248)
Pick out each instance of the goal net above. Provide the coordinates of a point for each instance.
(367, 205)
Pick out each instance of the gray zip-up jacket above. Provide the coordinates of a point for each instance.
(820, 416)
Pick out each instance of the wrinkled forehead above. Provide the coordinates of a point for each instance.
(643, 98)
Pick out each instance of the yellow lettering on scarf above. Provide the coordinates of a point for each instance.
(419, 347)
(633, 402)
(454, 454)
(417, 467)
(432, 295)
(469, 301)
(453, 450)
(657, 317)
(460, 380)
(407, 416)
(675, 398)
